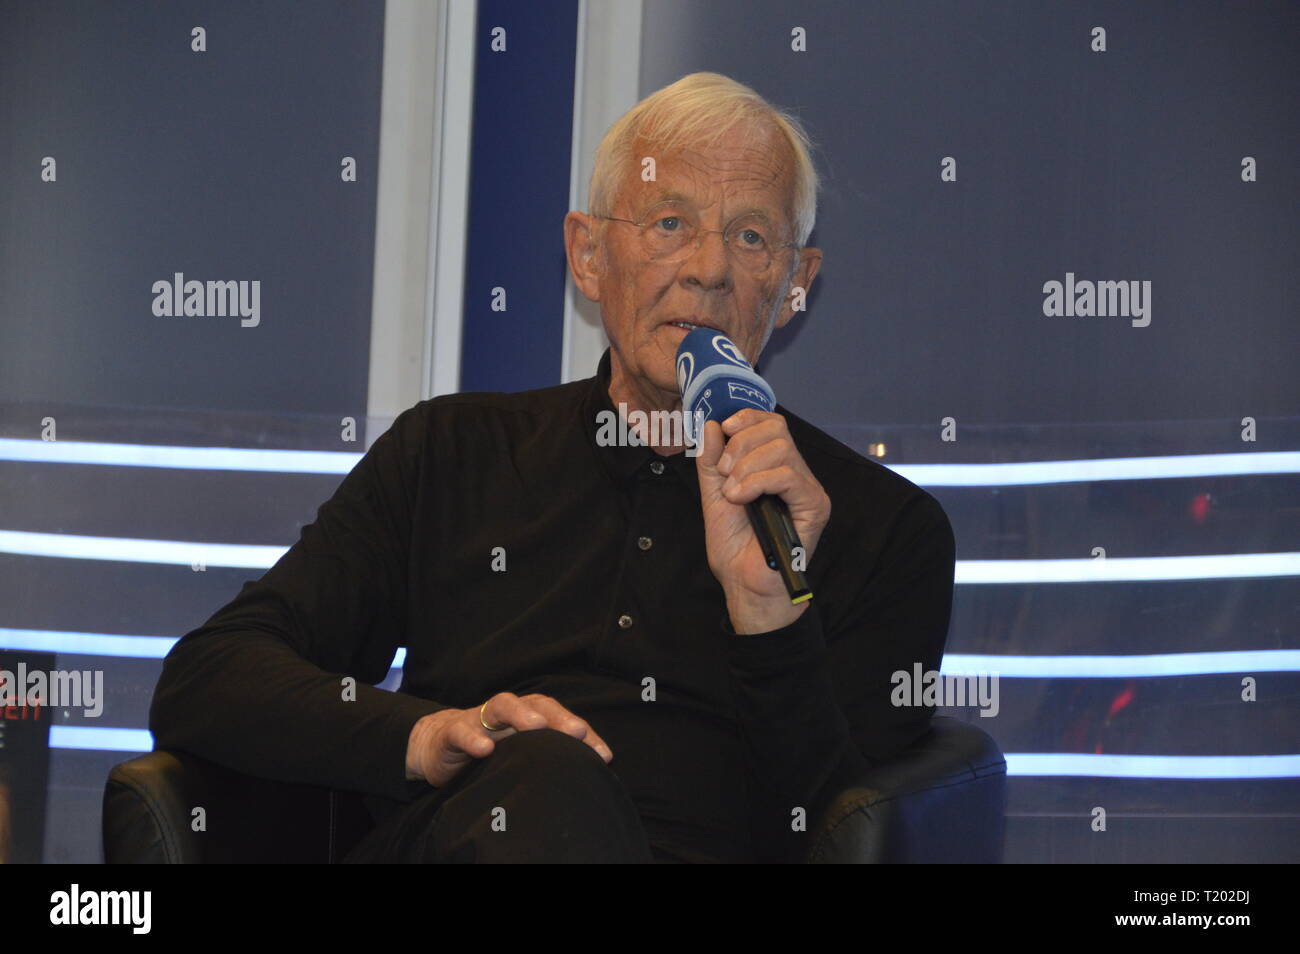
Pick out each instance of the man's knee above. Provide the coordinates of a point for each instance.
(555, 772)
(542, 795)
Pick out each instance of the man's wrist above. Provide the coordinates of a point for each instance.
(750, 615)
(417, 743)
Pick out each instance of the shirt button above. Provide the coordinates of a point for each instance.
(657, 467)
(645, 543)
(625, 622)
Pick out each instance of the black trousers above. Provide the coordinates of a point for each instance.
(541, 796)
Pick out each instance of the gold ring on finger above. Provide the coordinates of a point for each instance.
(483, 720)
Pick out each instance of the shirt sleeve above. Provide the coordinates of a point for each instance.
(262, 686)
(814, 701)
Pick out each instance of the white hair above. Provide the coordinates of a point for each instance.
(698, 109)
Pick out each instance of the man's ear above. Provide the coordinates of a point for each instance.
(584, 253)
(810, 262)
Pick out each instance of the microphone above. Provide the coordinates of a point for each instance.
(716, 381)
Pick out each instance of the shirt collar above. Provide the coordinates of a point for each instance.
(622, 462)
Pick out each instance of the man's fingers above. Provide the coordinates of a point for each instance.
(746, 417)
(778, 482)
(777, 452)
(508, 710)
(522, 715)
(558, 717)
(565, 721)
(465, 737)
(760, 429)
(471, 739)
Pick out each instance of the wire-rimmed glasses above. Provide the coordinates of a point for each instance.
(670, 232)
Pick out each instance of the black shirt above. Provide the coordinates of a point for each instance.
(605, 585)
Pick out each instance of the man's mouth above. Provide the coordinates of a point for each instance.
(689, 326)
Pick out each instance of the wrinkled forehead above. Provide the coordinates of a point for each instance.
(743, 171)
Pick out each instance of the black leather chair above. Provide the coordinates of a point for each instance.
(942, 800)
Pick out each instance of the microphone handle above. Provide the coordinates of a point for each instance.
(770, 518)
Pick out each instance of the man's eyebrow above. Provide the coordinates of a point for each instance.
(664, 195)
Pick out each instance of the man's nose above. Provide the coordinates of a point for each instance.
(708, 262)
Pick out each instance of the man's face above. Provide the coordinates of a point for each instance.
(641, 296)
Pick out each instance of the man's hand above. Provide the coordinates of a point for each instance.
(442, 743)
(760, 458)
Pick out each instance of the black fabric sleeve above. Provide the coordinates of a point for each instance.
(260, 687)
(814, 703)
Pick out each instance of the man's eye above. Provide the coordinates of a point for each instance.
(669, 223)
(752, 238)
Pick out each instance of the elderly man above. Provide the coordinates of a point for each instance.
(600, 665)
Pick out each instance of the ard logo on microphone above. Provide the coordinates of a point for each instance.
(725, 347)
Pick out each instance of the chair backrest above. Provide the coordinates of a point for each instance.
(942, 800)
(172, 807)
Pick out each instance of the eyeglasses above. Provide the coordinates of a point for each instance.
(670, 233)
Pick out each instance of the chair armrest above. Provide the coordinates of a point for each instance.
(149, 815)
(941, 800)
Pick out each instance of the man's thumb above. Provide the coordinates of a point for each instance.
(711, 444)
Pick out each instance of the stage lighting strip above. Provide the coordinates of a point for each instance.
(179, 458)
(1129, 569)
(1153, 766)
(1109, 570)
(1116, 468)
(926, 475)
